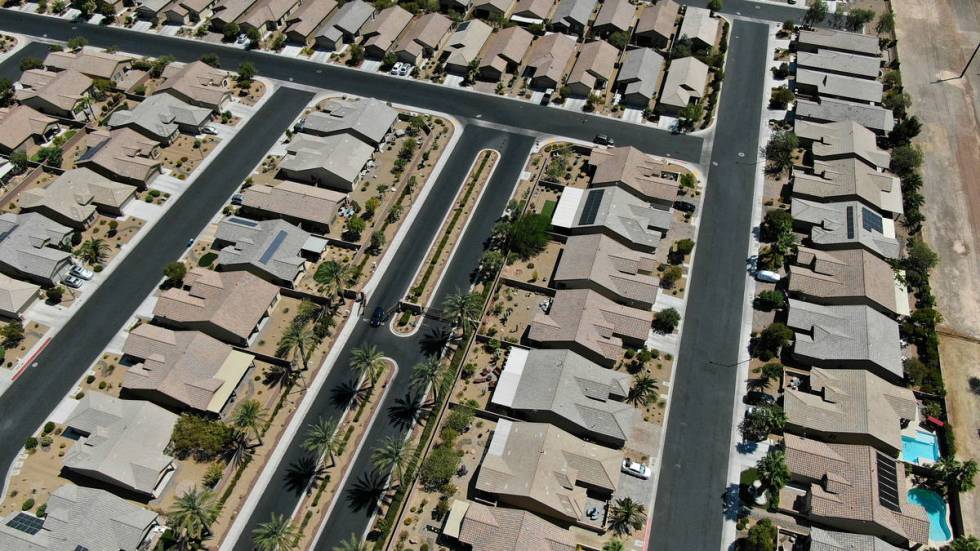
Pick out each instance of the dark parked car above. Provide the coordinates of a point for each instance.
(378, 317)
(603, 139)
(756, 398)
(684, 206)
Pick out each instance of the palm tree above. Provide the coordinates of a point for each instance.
(309, 311)
(282, 375)
(93, 251)
(955, 476)
(643, 391)
(240, 450)
(614, 544)
(462, 309)
(368, 361)
(353, 543)
(250, 416)
(626, 516)
(331, 276)
(192, 515)
(773, 474)
(278, 534)
(424, 373)
(300, 340)
(392, 455)
(321, 438)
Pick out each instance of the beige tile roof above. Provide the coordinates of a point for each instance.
(698, 25)
(636, 171)
(15, 294)
(836, 276)
(686, 79)
(501, 529)
(63, 90)
(659, 18)
(296, 200)
(846, 224)
(233, 301)
(615, 14)
(21, 123)
(502, 6)
(839, 86)
(124, 153)
(267, 12)
(382, 31)
(198, 82)
(423, 35)
(848, 485)
(533, 9)
(465, 43)
(508, 45)
(76, 192)
(309, 16)
(609, 264)
(90, 62)
(227, 11)
(841, 40)
(595, 64)
(842, 62)
(842, 139)
(550, 55)
(847, 179)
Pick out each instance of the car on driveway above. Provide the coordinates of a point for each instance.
(684, 206)
(757, 398)
(81, 272)
(633, 468)
(209, 129)
(767, 276)
(73, 282)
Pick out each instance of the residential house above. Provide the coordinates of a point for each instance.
(367, 119)
(162, 117)
(604, 265)
(543, 469)
(267, 15)
(532, 12)
(614, 16)
(274, 250)
(187, 12)
(458, 6)
(657, 24)
(34, 248)
(308, 207)
(60, 94)
(91, 62)
(639, 77)
(629, 168)
(504, 52)
(344, 25)
(74, 197)
(593, 68)
(123, 155)
(304, 22)
(700, 27)
(873, 117)
(380, 33)
(850, 406)
(850, 179)
(572, 16)
(464, 45)
(590, 324)
(422, 38)
(229, 11)
(122, 443)
(840, 63)
(492, 9)
(333, 161)
(829, 540)
(685, 84)
(182, 369)
(614, 212)
(855, 489)
(16, 296)
(830, 85)
(844, 226)
(836, 40)
(485, 528)
(150, 9)
(548, 59)
(197, 83)
(841, 140)
(847, 276)
(81, 518)
(846, 337)
(229, 306)
(24, 129)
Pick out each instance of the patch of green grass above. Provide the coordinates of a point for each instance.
(549, 208)
(207, 260)
(748, 476)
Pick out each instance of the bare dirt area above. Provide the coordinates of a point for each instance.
(935, 40)
(958, 357)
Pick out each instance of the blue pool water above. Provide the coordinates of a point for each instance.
(935, 507)
(924, 445)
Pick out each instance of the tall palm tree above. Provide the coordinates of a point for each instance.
(300, 340)
(93, 251)
(282, 375)
(278, 534)
(331, 276)
(309, 311)
(192, 515)
(643, 391)
(368, 361)
(393, 454)
(250, 416)
(424, 373)
(626, 516)
(462, 309)
(954, 475)
(240, 450)
(773, 474)
(353, 543)
(321, 438)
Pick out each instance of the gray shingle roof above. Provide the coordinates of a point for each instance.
(874, 117)
(640, 70)
(349, 18)
(847, 223)
(367, 119)
(848, 179)
(686, 79)
(842, 139)
(698, 25)
(841, 40)
(629, 219)
(572, 13)
(840, 62)
(27, 245)
(340, 156)
(615, 15)
(846, 276)
(161, 116)
(271, 246)
(610, 265)
(840, 86)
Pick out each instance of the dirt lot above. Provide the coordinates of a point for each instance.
(959, 358)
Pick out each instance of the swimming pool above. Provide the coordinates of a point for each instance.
(921, 448)
(935, 507)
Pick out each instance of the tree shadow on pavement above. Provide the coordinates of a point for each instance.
(408, 410)
(301, 472)
(366, 492)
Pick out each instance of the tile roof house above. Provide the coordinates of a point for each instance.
(819, 84)
(840, 63)
(184, 12)
(28, 248)
(24, 129)
(122, 154)
(229, 306)
(572, 16)
(639, 76)
(486, 9)
(422, 38)
(850, 276)
(846, 337)
(228, 11)
(381, 32)
(197, 83)
(563, 389)
(841, 41)
(532, 12)
(367, 119)
(548, 59)
(461, 6)
(612, 211)
(182, 369)
(267, 14)
(272, 249)
(333, 161)
(304, 22)
(841, 140)
(593, 68)
(161, 117)
(845, 225)
(873, 117)
(657, 23)
(829, 540)
(308, 207)
(642, 175)
(614, 16)
(686, 81)
(545, 470)
(122, 443)
(590, 324)
(464, 45)
(610, 268)
(699, 26)
(16, 296)
(485, 528)
(850, 179)
(855, 489)
(150, 9)
(504, 52)
(74, 197)
(80, 518)
(343, 25)
(60, 94)
(91, 62)
(850, 406)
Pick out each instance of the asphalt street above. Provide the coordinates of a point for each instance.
(10, 69)
(689, 508)
(759, 10)
(461, 103)
(355, 506)
(27, 403)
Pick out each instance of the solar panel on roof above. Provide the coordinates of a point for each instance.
(591, 209)
(243, 221)
(273, 247)
(871, 220)
(887, 483)
(850, 222)
(29, 524)
(81, 548)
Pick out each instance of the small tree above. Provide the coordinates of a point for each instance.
(29, 63)
(714, 5)
(12, 334)
(77, 43)
(388, 61)
(857, 18)
(355, 226)
(772, 371)
(212, 60)
(619, 39)
(906, 159)
(246, 72)
(779, 150)
(770, 300)
(772, 339)
(665, 321)
(356, 55)
(773, 474)
(6, 92)
(963, 543)
(886, 23)
(626, 516)
(231, 30)
(670, 276)
(377, 241)
(782, 97)
(761, 537)
(175, 272)
(689, 181)
(816, 13)
(528, 235)
(55, 294)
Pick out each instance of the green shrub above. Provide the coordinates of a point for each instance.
(30, 443)
(202, 438)
(665, 321)
(207, 260)
(46, 441)
(28, 504)
(48, 427)
(153, 193)
(213, 475)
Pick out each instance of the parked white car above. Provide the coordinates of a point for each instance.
(633, 468)
(767, 276)
(79, 271)
(72, 282)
